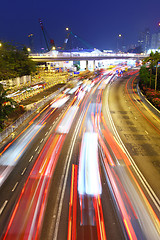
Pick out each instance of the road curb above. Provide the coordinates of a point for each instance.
(147, 103)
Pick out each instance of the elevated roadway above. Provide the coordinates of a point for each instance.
(73, 56)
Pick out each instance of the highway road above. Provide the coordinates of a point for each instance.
(85, 167)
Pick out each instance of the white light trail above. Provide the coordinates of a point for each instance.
(89, 178)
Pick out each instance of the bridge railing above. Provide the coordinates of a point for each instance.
(77, 54)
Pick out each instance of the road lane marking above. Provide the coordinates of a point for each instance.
(41, 140)
(46, 133)
(3, 206)
(14, 186)
(146, 132)
(36, 149)
(23, 171)
(30, 159)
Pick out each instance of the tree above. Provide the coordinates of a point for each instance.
(14, 62)
(153, 60)
(144, 76)
(150, 60)
(156, 60)
(7, 105)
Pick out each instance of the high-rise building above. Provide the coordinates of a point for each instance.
(147, 40)
(158, 40)
(155, 40)
(141, 39)
(144, 40)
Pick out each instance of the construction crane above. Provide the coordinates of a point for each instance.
(52, 43)
(74, 37)
(66, 39)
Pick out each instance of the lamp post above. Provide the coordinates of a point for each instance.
(118, 42)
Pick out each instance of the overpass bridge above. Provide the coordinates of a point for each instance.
(76, 56)
(88, 60)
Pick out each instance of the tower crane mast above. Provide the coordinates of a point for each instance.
(51, 40)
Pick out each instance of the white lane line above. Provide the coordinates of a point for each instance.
(36, 149)
(23, 171)
(41, 140)
(3, 206)
(146, 132)
(14, 186)
(46, 133)
(30, 159)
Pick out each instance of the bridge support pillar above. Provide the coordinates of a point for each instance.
(86, 64)
(94, 65)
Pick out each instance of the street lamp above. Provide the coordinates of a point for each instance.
(28, 49)
(0, 44)
(67, 28)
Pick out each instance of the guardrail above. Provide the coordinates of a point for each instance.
(10, 129)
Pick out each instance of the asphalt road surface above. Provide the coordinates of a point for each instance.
(85, 167)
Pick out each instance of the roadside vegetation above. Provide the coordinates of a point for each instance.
(150, 78)
(7, 106)
(14, 62)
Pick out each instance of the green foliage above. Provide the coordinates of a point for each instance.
(150, 70)
(14, 62)
(7, 105)
(144, 75)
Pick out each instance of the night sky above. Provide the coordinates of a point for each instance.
(96, 22)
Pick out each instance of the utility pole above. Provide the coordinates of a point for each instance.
(30, 37)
